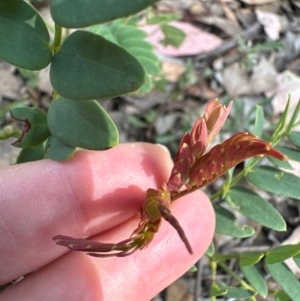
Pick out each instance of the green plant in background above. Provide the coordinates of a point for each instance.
(84, 66)
(248, 54)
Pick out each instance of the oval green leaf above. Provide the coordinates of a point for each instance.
(132, 39)
(226, 224)
(35, 129)
(82, 124)
(294, 137)
(292, 153)
(276, 181)
(259, 121)
(78, 13)
(211, 249)
(87, 66)
(24, 36)
(250, 258)
(58, 151)
(31, 154)
(236, 292)
(281, 164)
(286, 279)
(217, 290)
(282, 253)
(255, 207)
(256, 279)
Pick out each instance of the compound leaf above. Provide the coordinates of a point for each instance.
(82, 124)
(87, 66)
(24, 36)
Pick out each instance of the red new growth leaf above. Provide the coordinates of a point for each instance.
(193, 168)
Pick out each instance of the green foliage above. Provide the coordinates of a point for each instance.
(24, 36)
(35, 126)
(173, 35)
(88, 66)
(275, 181)
(83, 66)
(132, 39)
(86, 124)
(78, 13)
(227, 225)
(255, 207)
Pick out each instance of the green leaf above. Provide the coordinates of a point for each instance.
(78, 13)
(132, 39)
(24, 36)
(57, 150)
(193, 269)
(280, 163)
(82, 124)
(286, 279)
(173, 36)
(226, 224)
(217, 290)
(282, 253)
(282, 121)
(250, 258)
(294, 137)
(31, 154)
(164, 18)
(292, 153)
(276, 181)
(88, 66)
(35, 129)
(259, 121)
(282, 296)
(255, 207)
(236, 292)
(297, 259)
(256, 279)
(293, 118)
(211, 249)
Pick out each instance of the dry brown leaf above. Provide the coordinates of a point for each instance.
(263, 77)
(196, 40)
(225, 25)
(271, 23)
(172, 70)
(235, 80)
(229, 13)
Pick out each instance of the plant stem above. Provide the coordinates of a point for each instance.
(57, 38)
(236, 277)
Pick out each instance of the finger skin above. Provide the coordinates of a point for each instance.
(86, 195)
(138, 277)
